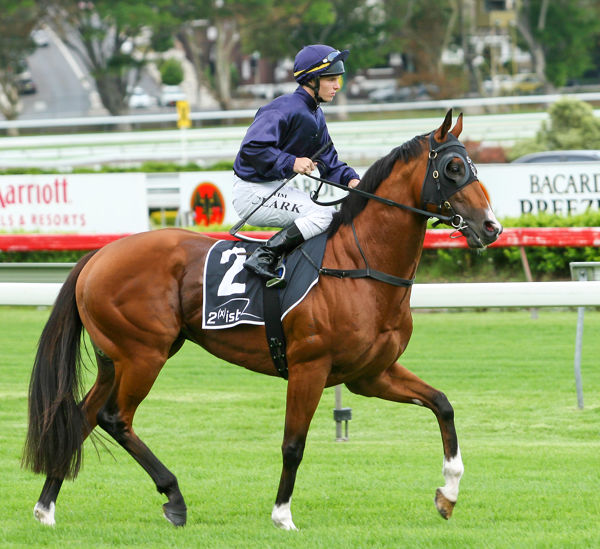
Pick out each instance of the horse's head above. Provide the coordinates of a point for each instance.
(452, 188)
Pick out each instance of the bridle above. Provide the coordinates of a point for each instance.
(438, 185)
(436, 182)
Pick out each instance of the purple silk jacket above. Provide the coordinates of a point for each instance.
(290, 126)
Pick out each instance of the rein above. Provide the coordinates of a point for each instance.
(455, 220)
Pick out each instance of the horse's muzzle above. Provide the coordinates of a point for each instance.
(480, 236)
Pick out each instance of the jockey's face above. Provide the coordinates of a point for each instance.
(329, 87)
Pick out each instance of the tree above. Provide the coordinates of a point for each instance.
(572, 125)
(188, 22)
(528, 19)
(226, 18)
(104, 34)
(427, 31)
(371, 30)
(277, 29)
(19, 18)
(466, 29)
(171, 72)
(560, 36)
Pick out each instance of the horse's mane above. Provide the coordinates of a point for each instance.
(378, 171)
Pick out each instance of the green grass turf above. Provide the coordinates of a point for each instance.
(532, 464)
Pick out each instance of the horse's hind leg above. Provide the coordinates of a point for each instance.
(400, 385)
(116, 418)
(91, 404)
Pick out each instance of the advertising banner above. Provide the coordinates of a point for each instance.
(515, 189)
(564, 188)
(111, 203)
(74, 203)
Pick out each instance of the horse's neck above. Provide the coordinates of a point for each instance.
(392, 240)
(391, 237)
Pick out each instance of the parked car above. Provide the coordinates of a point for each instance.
(497, 84)
(140, 99)
(169, 95)
(40, 38)
(518, 84)
(25, 84)
(418, 92)
(560, 156)
(527, 84)
(389, 93)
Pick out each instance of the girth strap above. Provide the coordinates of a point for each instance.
(361, 273)
(368, 273)
(274, 330)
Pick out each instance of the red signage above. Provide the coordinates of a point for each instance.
(208, 204)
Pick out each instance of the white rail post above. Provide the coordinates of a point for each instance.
(581, 271)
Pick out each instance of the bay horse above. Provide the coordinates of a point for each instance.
(140, 298)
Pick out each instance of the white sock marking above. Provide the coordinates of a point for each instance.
(452, 470)
(43, 514)
(282, 516)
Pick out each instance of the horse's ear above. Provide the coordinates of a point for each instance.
(441, 133)
(458, 126)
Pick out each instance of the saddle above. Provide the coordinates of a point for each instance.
(234, 296)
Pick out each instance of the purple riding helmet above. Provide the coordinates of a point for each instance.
(315, 61)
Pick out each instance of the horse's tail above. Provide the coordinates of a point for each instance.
(56, 422)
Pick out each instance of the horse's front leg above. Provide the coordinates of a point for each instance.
(400, 385)
(305, 387)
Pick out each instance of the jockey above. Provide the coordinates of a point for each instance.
(280, 143)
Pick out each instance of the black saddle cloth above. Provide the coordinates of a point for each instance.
(233, 295)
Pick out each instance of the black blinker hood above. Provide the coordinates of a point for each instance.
(438, 184)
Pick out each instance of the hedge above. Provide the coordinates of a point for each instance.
(504, 264)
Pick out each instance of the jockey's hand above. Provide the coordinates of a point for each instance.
(304, 165)
(353, 182)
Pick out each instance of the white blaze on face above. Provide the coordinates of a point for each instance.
(452, 470)
(491, 216)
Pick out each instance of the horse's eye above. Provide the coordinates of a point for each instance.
(454, 169)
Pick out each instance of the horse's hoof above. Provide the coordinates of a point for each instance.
(45, 515)
(285, 525)
(175, 514)
(443, 504)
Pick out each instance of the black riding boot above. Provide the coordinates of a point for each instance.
(265, 258)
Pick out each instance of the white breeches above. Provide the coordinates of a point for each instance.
(288, 205)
